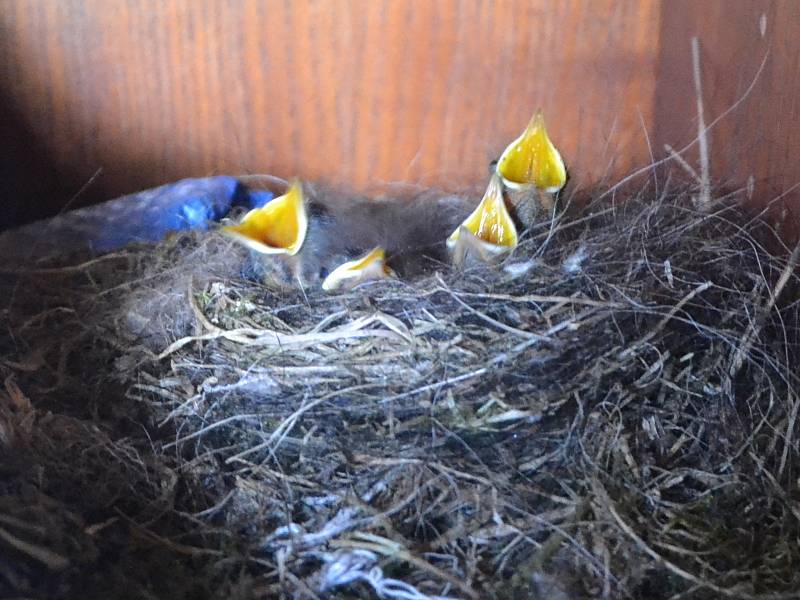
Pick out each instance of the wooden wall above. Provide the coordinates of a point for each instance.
(367, 91)
(750, 59)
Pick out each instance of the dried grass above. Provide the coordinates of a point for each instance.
(613, 413)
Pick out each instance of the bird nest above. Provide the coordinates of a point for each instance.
(611, 412)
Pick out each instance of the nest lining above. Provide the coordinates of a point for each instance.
(610, 413)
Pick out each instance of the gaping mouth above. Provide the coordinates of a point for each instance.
(533, 160)
(370, 266)
(489, 226)
(278, 227)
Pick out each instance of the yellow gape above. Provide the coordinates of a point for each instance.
(278, 227)
(533, 160)
(489, 231)
(371, 266)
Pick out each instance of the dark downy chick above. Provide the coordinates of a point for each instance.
(488, 233)
(533, 173)
(411, 227)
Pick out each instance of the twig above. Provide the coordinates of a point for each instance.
(753, 329)
(667, 318)
(702, 132)
(53, 561)
(729, 110)
(682, 162)
(608, 504)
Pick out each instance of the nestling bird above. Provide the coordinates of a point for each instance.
(279, 227)
(532, 171)
(487, 233)
(316, 236)
(313, 235)
(370, 266)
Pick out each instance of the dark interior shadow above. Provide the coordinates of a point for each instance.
(30, 185)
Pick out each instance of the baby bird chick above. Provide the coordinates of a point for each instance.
(347, 275)
(277, 228)
(532, 171)
(487, 233)
(336, 240)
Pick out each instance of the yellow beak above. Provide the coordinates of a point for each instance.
(278, 227)
(488, 232)
(532, 160)
(370, 266)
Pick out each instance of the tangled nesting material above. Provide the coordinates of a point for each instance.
(612, 413)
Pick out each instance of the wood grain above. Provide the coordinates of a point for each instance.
(750, 60)
(357, 91)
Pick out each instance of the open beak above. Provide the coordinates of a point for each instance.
(278, 227)
(370, 266)
(488, 232)
(533, 160)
